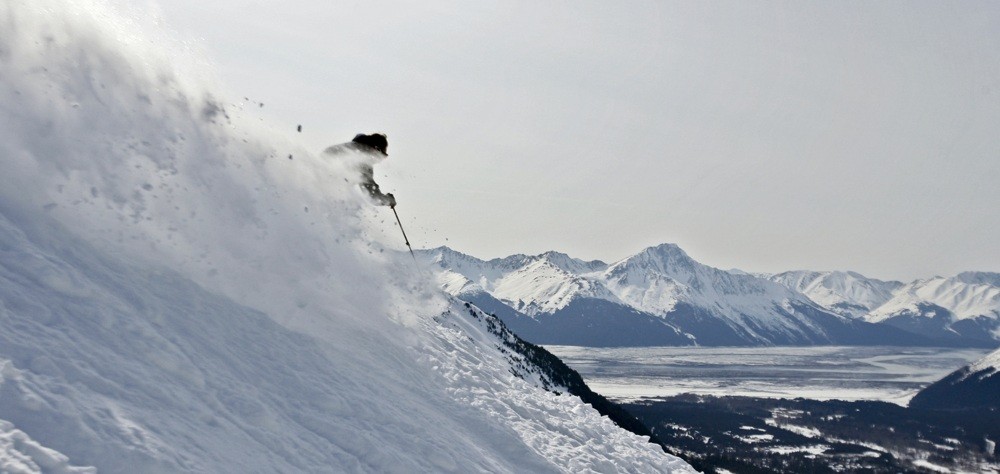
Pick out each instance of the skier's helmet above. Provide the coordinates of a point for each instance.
(375, 140)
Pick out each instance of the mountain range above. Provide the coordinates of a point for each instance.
(661, 296)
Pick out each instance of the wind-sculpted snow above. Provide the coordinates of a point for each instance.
(19, 454)
(177, 295)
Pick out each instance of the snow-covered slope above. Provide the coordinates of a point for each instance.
(967, 305)
(974, 387)
(989, 363)
(963, 309)
(19, 454)
(178, 296)
(846, 293)
(658, 296)
(966, 295)
(542, 286)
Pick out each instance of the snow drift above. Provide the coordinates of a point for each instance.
(176, 295)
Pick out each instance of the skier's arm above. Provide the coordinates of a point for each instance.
(383, 199)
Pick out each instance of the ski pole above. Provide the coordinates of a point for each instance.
(404, 233)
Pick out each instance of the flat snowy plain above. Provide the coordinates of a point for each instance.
(890, 374)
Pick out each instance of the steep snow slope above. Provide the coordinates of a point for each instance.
(541, 286)
(990, 362)
(846, 293)
(178, 296)
(19, 454)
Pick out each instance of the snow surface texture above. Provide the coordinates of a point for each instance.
(176, 295)
(990, 362)
(19, 454)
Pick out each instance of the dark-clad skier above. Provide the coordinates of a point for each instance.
(373, 149)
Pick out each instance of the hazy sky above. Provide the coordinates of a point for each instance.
(765, 136)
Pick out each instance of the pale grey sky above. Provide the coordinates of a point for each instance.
(765, 136)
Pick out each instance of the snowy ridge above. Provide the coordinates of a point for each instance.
(979, 278)
(178, 296)
(973, 387)
(455, 283)
(575, 441)
(847, 293)
(990, 362)
(966, 295)
(965, 306)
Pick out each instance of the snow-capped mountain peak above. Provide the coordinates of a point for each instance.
(664, 259)
(572, 265)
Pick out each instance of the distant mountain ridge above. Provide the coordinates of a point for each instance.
(846, 293)
(965, 306)
(661, 296)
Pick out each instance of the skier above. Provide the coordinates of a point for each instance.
(373, 148)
